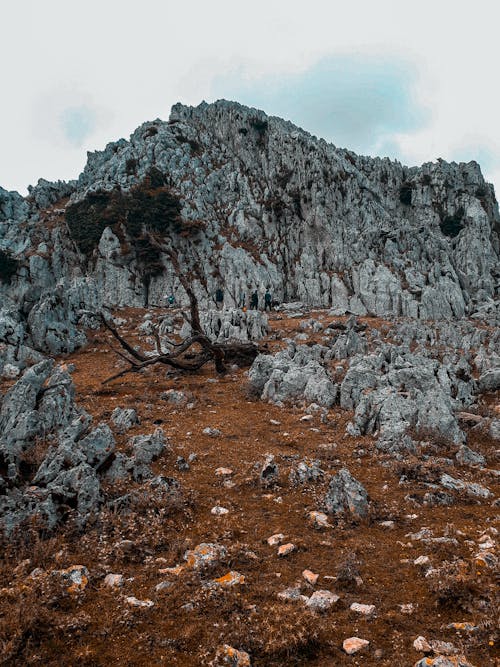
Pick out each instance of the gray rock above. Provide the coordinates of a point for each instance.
(471, 488)
(346, 495)
(124, 419)
(269, 472)
(147, 448)
(466, 456)
(308, 470)
(495, 429)
(489, 381)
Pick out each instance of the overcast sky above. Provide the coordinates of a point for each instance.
(411, 80)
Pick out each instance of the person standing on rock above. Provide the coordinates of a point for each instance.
(254, 301)
(268, 300)
(219, 298)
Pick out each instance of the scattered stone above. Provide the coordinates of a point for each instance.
(322, 600)
(305, 471)
(76, 575)
(174, 397)
(134, 602)
(443, 648)
(275, 539)
(466, 456)
(219, 511)
(319, 520)
(485, 559)
(230, 579)
(495, 429)
(422, 560)
(471, 488)
(408, 608)
(175, 571)
(223, 472)
(354, 644)
(227, 656)
(464, 626)
(346, 494)
(421, 644)
(364, 609)
(292, 594)
(212, 432)
(387, 524)
(286, 549)
(124, 419)
(269, 471)
(310, 577)
(113, 580)
(163, 586)
(205, 555)
(442, 661)
(181, 464)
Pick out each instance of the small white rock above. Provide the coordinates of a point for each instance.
(113, 580)
(219, 511)
(421, 644)
(134, 602)
(365, 609)
(354, 644)
(322, 600)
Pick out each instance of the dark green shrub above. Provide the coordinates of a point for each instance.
(154, 179)
(150, 132)
(130, 166)
(193, 145)
(8, 267)
(150, 209)
(260, 126)
(405, 193)
(452, 224)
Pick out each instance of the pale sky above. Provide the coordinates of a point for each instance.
(411, 80)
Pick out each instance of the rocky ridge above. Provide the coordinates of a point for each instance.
(256, 202)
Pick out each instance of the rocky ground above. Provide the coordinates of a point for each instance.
(336, 504)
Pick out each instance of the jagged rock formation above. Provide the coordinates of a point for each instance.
(249, 201)
(416, 384)
(51, 459)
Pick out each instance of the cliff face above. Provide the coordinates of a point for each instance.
(270, 205)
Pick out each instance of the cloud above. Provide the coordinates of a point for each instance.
(77, 123)
(356, 101)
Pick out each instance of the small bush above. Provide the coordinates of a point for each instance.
(455, 585)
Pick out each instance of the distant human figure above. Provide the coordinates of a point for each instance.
(254, 301)
(219, 298)
(268, 300)
(170, 300)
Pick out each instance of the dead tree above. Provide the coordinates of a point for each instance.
(189, 355)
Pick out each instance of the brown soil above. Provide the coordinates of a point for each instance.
(189, 621)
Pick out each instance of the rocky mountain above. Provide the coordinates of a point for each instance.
(248, 201)
(239, 487)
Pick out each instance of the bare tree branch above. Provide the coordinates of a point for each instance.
(178, 357)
